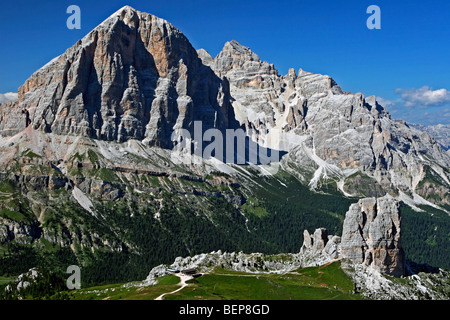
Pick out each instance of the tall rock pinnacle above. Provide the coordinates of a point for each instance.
(371, 235)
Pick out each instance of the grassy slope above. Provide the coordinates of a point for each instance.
(124, 292)
(6, 280)
(315, 283)
(277, 211)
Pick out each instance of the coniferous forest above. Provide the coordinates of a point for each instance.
(271, 221)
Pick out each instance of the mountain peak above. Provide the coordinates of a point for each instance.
(137, 77)
(145, 71)
(234, 44)
(131, 18)
(234, 55)
(235, 47)
(126, 8)
(120, 13)
(206, 58)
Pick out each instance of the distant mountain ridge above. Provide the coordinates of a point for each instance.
(441, 132)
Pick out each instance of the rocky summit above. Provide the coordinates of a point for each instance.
(136, 77)
(329, 133)
(90, 176)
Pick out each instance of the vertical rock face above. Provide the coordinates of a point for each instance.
(135, 76)
(371, 235)
(321, 242)
(13, 119)
(21, 232)
(327, 132)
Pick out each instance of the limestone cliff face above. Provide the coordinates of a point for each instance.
(13, 118)
(20, 232)
(135, 76)
(320, 242)
(371, 236)
(329, 133)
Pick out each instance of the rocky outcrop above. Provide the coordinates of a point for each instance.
(420, 284)
(328, 133)
(237, 261)
(13, 118)
(135, 76)
(370, 236)
(20, 232)
(38, 182)
(321, 242)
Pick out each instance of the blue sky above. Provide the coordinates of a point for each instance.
(406, 63)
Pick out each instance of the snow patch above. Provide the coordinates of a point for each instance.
(340, 185)
(410, 202)
(222, 167)
(83, 201)
(324, 170)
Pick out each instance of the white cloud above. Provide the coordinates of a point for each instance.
(385, 102)
(424, 97)
(8, 96)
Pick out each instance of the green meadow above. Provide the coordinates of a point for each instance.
(327, 282)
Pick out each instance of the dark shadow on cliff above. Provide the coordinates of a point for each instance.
(413, 268)
(241, 149)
